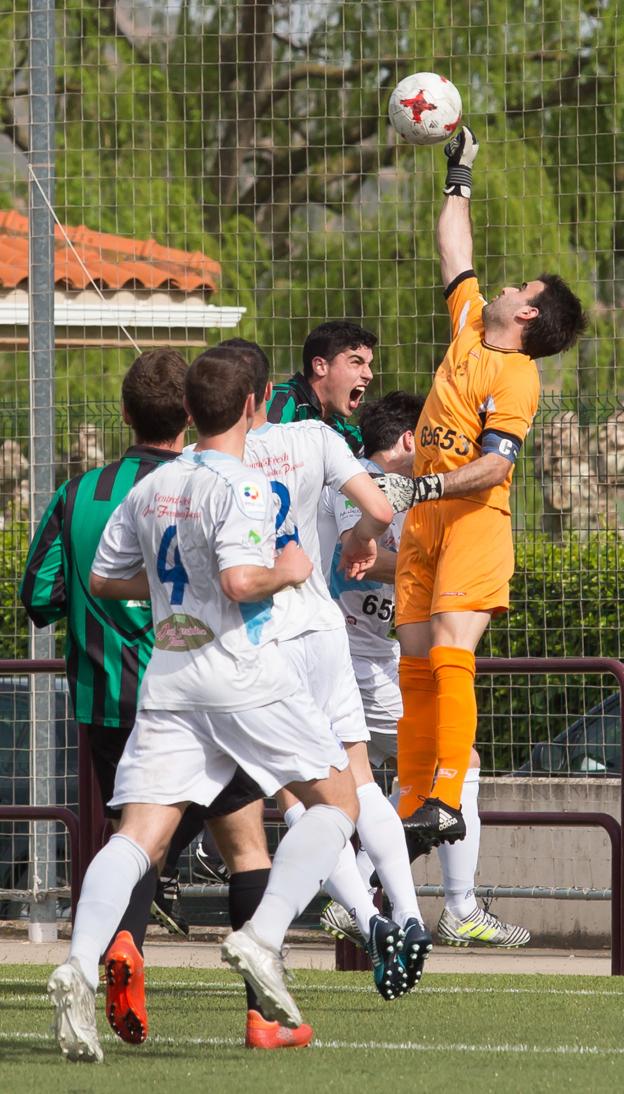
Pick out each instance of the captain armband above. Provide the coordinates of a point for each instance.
(501, 444)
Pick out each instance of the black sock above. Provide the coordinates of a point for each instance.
(191, 825)
(136, 915)
(245, 893)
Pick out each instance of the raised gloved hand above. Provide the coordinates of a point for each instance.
(403, 492)
(461, 152)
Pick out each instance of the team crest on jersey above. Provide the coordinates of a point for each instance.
(252, 496)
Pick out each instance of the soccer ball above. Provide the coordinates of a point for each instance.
(425, 108)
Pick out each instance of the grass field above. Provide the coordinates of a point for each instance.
(481, 1033)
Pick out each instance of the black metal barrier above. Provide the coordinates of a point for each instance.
(64, 816)
(86, 837)
(350, 958)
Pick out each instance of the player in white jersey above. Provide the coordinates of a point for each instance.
(300, 459)
(388, 427)
(216, 694)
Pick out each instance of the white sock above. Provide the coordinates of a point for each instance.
(364, 862)
(304, 859)
(459, 860)
(292, 815)
(381, 833)
(104, 897)
(366, 867)
(345, 884)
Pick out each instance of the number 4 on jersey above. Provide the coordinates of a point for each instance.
(176, 575)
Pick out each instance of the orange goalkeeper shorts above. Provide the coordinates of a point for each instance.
(455, 556)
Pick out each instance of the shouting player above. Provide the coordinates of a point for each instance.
(456, 555)
(198, 537)
(337, 358)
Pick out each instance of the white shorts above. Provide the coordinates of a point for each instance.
(191, 755)
(383, 706)
(322, 661)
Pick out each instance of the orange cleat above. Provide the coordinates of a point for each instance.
(261, 1033)
(125, 990)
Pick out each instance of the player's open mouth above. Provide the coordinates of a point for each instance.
(356, 396)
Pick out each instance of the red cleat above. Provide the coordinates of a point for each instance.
(125, 990)
(263, 1034)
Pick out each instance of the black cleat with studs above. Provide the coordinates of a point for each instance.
(383, 947)
(417, 945)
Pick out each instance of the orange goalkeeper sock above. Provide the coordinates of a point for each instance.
(416, 733)
(456, 706)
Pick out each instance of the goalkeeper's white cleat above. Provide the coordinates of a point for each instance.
(73, 999)
(263, 968)
(481, 927)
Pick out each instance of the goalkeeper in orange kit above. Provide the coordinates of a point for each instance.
(456, 555)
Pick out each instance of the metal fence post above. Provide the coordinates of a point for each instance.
(42, 925)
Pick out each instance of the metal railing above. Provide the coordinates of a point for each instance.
(87, 834)
(349, 958)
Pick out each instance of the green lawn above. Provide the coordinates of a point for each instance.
(455, 1034)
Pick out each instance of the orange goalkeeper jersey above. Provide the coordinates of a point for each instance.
(477, 390)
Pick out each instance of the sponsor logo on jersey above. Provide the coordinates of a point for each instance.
(253, 536)
(179, 633)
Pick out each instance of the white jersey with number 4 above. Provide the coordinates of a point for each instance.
(300, 459)
(368, 605)
(190, 519)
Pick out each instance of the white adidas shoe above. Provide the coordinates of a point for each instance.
(338, 922)
(263, 968)
(73, 999)
(481, 927)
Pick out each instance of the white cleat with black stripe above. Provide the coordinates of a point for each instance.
(481, 927)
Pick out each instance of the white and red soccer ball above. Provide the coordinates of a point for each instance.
(425, 108)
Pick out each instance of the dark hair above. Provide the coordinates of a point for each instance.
(332, 338)
(384, 421)
(252, 352)
(152, 393)
(560, 322)
(217, 385)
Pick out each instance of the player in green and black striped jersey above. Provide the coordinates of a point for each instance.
(109, 643)
(336, 372)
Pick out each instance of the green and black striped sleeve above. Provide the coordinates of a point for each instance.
(43, 590)
(282, 406)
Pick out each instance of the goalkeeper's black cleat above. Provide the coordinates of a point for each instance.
(417, 945)
(383, 947)
(432, 824)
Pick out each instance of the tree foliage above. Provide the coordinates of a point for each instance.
(257, 132)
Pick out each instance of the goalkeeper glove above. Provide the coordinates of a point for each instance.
(403, 492)
(461, 153)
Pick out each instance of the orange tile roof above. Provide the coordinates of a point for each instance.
(114, 262)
